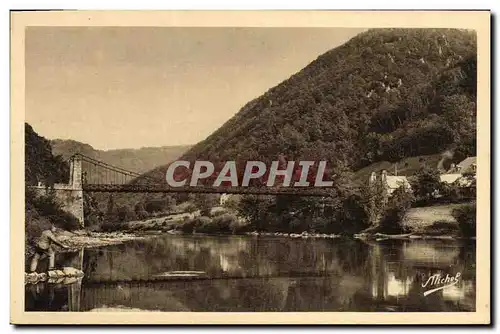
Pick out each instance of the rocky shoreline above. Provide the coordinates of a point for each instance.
(361, 236)
(66, 275)
(304, 235)
(85, 239)
(408, 236)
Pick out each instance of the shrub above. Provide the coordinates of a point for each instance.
(110, 226)
(197, 224)
(466, 218)
(34, 226)
(50, 209)
(397, 207)
(66, 220)
(240, 226)
(191, 208)
(217, 213)
(223, 223)
(319, 224)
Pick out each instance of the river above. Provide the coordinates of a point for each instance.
(253, 274)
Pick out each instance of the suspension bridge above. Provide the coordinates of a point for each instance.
(89, 175)
(98, 176)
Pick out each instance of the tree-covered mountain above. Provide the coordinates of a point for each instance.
(385, 95)
(40, 164)
(136, 160)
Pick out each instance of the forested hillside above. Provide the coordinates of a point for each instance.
(385, 95)
(40, 164)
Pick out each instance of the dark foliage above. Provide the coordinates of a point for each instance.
(392, 219)
(48, 208)
(425, 184)
(40, 164)
(466, 218)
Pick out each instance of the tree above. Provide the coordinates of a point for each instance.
(154, 205)
(256, 209)
(459, 112)
(124, 214)
(465, 148)
(426, 183)
(40, 164)
(140, 211)
(110, 209)
(392, 219)
(205, 202)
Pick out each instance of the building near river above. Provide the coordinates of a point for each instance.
(389, 182)
(463, 174)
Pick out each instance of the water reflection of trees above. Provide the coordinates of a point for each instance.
(227, 256)
(278, 274)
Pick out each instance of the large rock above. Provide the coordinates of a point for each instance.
(72, 272)
(56, 273)
(67, 275)
(69, 280)
(55, 280)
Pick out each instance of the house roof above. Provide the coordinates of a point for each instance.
(449, 178)
(466, 164)
(457, 179)
(395, 182)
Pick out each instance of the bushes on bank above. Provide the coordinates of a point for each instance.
(466, 219)
(221, 224)
(191, 225)
(51, 211)
(392, 218)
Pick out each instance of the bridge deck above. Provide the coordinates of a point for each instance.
(164, 188)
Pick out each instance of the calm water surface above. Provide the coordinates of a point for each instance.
(263, 274)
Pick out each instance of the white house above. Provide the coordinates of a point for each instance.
(390, 182)
(456, 172)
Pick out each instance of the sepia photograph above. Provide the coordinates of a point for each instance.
(208, 165)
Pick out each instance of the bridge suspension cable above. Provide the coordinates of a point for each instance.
(99, 172)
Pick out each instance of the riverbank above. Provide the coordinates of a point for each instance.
(421, 219)
(85, 239)
(432, 222)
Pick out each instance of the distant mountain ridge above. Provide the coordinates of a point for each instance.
(136, 160)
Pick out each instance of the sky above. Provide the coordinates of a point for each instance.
(133, 87)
